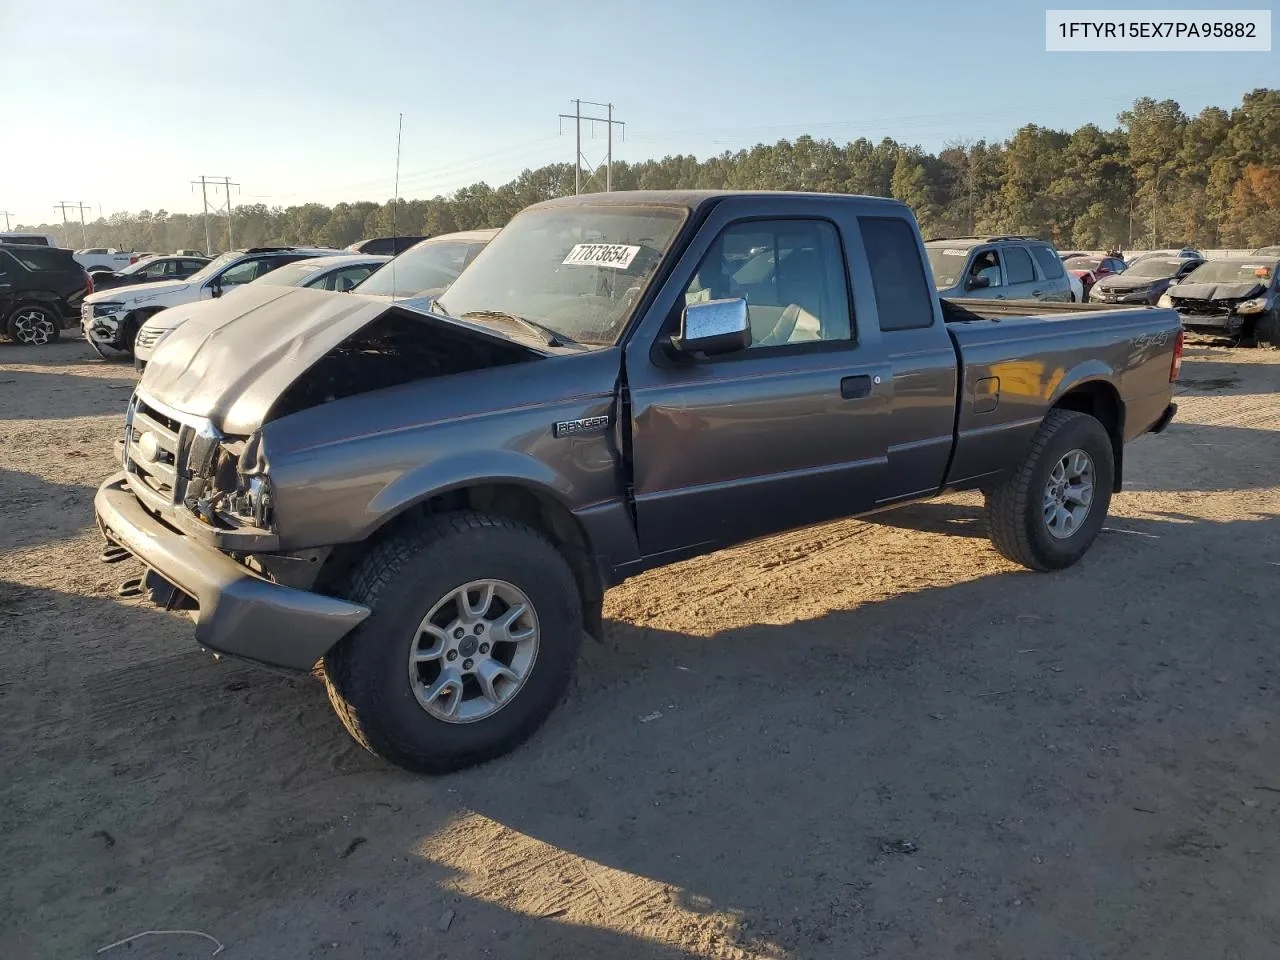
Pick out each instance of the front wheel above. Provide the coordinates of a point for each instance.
(1048, 512)
(474, 634)
(33, 325)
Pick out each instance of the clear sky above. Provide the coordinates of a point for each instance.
(121, 104)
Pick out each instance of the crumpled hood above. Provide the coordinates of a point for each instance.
(1123, 284)
(1215, 291)
(231, 362)
(139, 289)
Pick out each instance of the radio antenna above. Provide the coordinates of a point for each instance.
(395, 203)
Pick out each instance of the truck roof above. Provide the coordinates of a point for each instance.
(696, 198)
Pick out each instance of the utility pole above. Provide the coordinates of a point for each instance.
(227, 183)
(84, 236)
(592, 169)
(6, 214)
(204, 194)
(64, 206)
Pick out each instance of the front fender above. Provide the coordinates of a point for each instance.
(466, 469)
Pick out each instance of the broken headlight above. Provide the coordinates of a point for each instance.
(234, 489)
(1256, 305)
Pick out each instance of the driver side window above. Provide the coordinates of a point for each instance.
(242, 272)
(987, 264)
(791, 273)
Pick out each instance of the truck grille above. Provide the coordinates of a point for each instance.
(157, 444)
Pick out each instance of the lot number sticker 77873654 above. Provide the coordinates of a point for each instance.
(617, 256)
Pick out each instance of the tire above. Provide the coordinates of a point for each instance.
(1016, 513)
(369, 677)
(129, 332)
(33, 324)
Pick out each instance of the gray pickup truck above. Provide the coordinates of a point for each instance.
(433, 504)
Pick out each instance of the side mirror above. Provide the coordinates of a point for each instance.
(714, 327)
(215, 288)
(977, 283)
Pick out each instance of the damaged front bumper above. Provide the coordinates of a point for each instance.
(236, 612)
(102, 331)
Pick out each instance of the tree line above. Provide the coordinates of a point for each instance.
(1160, 178)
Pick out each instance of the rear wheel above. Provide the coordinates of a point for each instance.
(473, 638)
(33, 325)
(1048, 512)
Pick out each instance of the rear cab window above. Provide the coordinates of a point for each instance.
(903, 298)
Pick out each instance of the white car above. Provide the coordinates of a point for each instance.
(28, 239)
(111, 319)
(339, 274)
(104, 258)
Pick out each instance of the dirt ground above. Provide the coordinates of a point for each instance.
(857, 740)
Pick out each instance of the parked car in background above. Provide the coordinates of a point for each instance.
(109, 259)
(150, 270)
(428, 268)
(1144, 282)
(385, 246)
(111, 319)
(337, 273)
(1092, 269)
(191, 253)
(28, 239)
(1267, 252)
(433, 504)
(1237, 297)
(41, 289)
(1187, 253)
(999, 268)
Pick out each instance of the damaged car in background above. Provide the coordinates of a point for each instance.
(1144, 282)
(431, 504)
(1233, 297)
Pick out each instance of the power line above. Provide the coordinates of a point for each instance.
(577, 117)
(205, 182)
(64, 206)
(7, 214)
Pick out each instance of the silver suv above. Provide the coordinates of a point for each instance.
(1013, 268)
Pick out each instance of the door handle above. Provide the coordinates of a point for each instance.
(854, 388)
(1036, 293)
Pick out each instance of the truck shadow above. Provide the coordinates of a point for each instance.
(34, 510)
(790, 778)
(62, 395)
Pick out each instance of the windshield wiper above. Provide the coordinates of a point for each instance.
(553, 337)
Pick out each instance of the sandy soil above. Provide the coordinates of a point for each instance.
(873, 740)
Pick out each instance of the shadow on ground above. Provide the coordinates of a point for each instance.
(984, 769)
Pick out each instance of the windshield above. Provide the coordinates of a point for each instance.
(1083, 263)
(213, 266)
(1232, 271)
(290, 275)
(428, 266)
(946, 264)
(1155, 267)
(578, 270)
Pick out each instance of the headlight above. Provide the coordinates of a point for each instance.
(1256, 305)
(1095, 293)
(107, 307)
(1164, 301)
(231, 488)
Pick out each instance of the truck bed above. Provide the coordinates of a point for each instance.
(1018, 357)
(969, 310)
